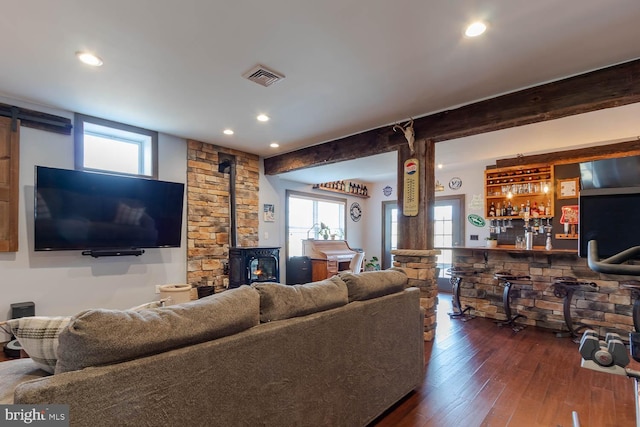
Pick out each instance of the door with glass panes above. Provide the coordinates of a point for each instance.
(448, 232)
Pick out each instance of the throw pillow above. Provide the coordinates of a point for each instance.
(278, 301)
(102, 337)
(128, 215)
(373, 284)
(38, 336)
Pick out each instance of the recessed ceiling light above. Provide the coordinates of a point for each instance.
(475, 29)
(227, 132)
(89, 59)
(440, 165)
(263, 118)
(274, 145)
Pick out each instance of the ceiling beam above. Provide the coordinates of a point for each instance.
(605, 88)
(620, 149)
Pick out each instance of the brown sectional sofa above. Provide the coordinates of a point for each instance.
(342, 352)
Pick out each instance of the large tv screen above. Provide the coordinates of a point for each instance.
(76, 210)
(610, 217)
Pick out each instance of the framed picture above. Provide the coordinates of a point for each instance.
(269, 213)
(568, 188)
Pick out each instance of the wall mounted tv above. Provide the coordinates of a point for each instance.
(105, 214)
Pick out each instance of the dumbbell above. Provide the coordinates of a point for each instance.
(605, 353)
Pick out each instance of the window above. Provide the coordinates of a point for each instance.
(305, 213)
(103, 145)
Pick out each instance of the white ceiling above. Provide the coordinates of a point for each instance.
(350, 65)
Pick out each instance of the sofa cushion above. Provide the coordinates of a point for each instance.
(278, 301)
(373, 284)
(38, 336)
(101, 337)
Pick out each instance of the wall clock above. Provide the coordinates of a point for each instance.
(455, 183)
(387, 191)
(355, 211)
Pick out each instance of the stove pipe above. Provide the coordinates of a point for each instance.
(228, 165)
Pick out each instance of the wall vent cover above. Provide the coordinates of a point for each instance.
(263, 76)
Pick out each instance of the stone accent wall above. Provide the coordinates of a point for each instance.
(208, 211)
(608, 309)
(420, 265)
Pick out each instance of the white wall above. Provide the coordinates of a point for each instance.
(373, 216)
(472, 188)
(273, 191)
(65, 282)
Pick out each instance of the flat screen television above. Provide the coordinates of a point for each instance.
(77, 210)
(609, 216)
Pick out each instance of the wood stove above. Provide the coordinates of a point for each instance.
(249, 265)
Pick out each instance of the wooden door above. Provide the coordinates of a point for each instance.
(9, 168)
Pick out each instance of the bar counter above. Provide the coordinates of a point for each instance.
(512, 249)
(608, 307)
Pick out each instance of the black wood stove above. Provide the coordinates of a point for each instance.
(249, 265)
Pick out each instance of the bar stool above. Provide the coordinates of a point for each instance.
(564, 287)
(634, 285)
(457, 274)
(507, 280)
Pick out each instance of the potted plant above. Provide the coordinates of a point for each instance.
(372, 264)
(492, 242)
(324, 231)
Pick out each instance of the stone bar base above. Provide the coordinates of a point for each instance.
(420, 266)
(607, 309)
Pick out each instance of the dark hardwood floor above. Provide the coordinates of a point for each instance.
(479, 374)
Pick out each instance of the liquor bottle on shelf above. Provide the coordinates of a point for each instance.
(492, 209)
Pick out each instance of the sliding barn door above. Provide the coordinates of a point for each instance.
(9, 163)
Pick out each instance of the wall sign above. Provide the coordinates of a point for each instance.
(387, 191)
(269, 213)
(568, 188)
(411, 194)
(476, 220)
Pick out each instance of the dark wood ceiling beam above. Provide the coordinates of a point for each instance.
(605, 88)
(620, 149)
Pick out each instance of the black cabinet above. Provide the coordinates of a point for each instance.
(298, 270)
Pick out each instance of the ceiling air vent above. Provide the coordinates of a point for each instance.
(262, 75)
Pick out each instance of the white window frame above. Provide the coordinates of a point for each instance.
(146, 140)
(314, 220)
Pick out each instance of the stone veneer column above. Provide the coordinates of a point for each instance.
(420, 266)
(208, 211)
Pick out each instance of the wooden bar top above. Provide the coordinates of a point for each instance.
(512, 249)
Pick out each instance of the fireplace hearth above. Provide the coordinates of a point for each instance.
(249, 265)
